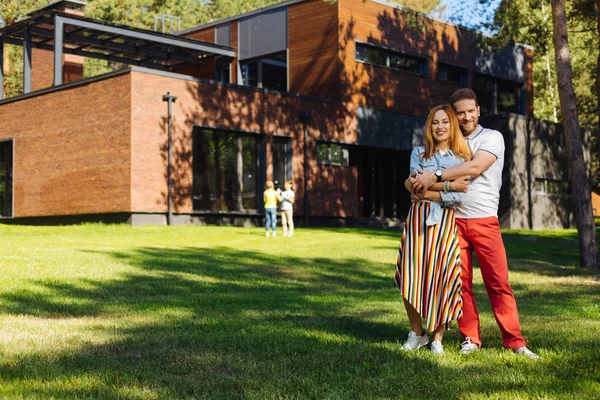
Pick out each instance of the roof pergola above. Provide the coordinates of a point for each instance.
(51, 29)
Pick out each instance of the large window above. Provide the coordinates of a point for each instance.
(225, 171)
(388, 58)
(6, 166)
(281, 150)
(498, 95)
(268, 72)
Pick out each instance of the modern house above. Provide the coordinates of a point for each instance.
(331, 95)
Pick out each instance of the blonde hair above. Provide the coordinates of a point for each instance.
(269, 185)
(456, 141)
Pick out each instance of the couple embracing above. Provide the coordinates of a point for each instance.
(455, 185)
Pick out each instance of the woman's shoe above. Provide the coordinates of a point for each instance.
(415, 342)
(436, 348)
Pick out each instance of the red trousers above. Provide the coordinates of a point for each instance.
(483, 236)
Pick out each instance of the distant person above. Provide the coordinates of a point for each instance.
(287, 209)
(428, 264)
(271, 197)
(479, 229)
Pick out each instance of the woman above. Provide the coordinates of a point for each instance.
(428, 264)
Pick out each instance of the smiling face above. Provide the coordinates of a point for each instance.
(467, 112)
(440, 127)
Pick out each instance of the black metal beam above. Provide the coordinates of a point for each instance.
(155, 38)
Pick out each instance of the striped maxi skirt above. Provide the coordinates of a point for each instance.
(428, 266)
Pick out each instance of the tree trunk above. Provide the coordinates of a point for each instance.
(580, 185)
(598, 91)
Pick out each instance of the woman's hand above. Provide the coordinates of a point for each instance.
(461, 184)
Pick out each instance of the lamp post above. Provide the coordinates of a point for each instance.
(170, 99)
(305, 118)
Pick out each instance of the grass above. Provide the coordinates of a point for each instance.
(96, 311)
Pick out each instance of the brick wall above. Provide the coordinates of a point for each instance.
(240, 109)
(72, 149)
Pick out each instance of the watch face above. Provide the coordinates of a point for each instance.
(438, 173)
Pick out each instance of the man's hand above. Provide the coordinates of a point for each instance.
(414, 197)
(410, 181)
(424, 182)
(461, 184)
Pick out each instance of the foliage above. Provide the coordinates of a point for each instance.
(12, 11)
(530, 22)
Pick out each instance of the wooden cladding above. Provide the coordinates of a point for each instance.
(313, 49)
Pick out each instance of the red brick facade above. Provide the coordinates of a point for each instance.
(72, 149)
(242, 109)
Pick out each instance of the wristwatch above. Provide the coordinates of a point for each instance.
(438, 174)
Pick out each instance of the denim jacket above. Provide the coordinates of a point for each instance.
(438, 161)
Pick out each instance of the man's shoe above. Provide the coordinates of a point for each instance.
(415, 342)
(524, 351)
(467, 346)
(437, 348)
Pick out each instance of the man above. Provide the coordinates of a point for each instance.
(479, 229)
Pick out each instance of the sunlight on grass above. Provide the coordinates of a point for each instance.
(111, 311)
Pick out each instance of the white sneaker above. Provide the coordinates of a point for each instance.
(436, 348)
(524, 351)
(467, 346)
(284, 234)
(267, 234)
(415, 342)
(274, 233)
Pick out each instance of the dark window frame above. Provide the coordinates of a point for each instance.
(8, 152)
(257, 169)
(552, 187)
(491, 94)
(345, 153)
(269, 59)
(285, 158)
(464, 78)
(223, 70)
(387, 53)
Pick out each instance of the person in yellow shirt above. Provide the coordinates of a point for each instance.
(271, 197)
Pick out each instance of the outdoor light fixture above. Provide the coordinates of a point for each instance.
(170, 99)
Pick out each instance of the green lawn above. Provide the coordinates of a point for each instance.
(96, 311)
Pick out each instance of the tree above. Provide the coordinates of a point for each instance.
(12, 11)
(588, 250)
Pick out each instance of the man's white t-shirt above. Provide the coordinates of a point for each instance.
(483, 196)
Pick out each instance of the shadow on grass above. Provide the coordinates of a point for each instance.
(549, 255)
(219, 322)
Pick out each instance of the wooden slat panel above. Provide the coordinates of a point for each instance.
(313, 49)
(405, 32)
(233, 37)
